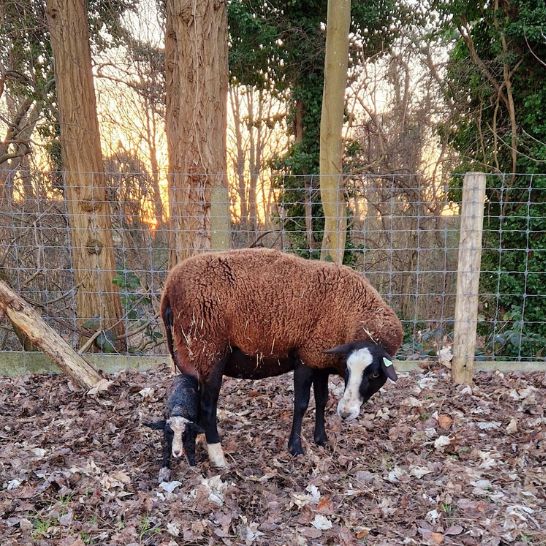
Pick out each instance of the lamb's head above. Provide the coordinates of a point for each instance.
(180, 433)
(180, 427)
(367, 368)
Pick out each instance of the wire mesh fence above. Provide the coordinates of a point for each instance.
(92, 257)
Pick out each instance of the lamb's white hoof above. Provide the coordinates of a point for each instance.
(164, 475)
(216, 455)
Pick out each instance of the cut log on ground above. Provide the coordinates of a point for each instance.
(46, 339)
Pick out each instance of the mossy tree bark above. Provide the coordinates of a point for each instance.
(196, 86)
(97, 298)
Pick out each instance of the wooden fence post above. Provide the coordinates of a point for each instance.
(44, 337)
(468, 278)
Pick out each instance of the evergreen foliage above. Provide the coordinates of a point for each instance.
(499, 60)
(280, 46)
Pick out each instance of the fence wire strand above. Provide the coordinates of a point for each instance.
(402, 234)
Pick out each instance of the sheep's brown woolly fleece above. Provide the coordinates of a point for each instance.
(269, 304)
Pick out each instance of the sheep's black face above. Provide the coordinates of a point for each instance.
(367, 369)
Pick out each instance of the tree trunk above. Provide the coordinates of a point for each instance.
(254, 163)
(239, 162)
(24, 317)
(331, 125)
(196, 86)
(97, 297)
(151, 138)
(298, 122)
(308, 200)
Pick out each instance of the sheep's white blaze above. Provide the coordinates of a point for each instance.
(216, 455)
(178, 426)
(349, 405)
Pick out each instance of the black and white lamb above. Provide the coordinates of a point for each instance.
(180, 424)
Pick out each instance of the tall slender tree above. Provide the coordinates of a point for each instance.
(279, 46)
(196, 87)
(331, 126)
(97, 298)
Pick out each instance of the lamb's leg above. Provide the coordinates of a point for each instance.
(165, 471)
(320, 388)
(209, 393)
(303, 377)
(188, 440)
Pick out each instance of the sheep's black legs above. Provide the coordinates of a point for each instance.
(303, 377)
(320, 388)
(209, 401)
(209, 393)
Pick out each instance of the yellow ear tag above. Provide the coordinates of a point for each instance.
(387, 362)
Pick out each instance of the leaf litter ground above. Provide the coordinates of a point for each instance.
(427, 463)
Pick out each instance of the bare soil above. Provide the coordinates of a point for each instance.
(426, 463)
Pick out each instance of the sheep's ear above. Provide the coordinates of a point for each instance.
(388, 369)
(156, 425)
(344, 349)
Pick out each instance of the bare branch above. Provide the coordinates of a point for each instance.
(533, 53)
(467, 37)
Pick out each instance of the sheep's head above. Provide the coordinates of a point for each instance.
(367, 368)
(180, 434)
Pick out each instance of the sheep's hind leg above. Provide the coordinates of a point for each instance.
(210, 391)
(320, 388)
(303, 377)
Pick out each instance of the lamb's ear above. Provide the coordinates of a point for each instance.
(388, 369)
(344, 349)
(156, 425)
(198, 429)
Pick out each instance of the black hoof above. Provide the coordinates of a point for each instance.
(321, 440)
(295, 450)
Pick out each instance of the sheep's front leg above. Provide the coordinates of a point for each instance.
(303, 377)
(320, 388)
(210, 391)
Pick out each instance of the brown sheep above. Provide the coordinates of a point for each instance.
(257, 313)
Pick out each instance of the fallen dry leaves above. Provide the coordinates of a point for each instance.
(445, 421)
(427, 463)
